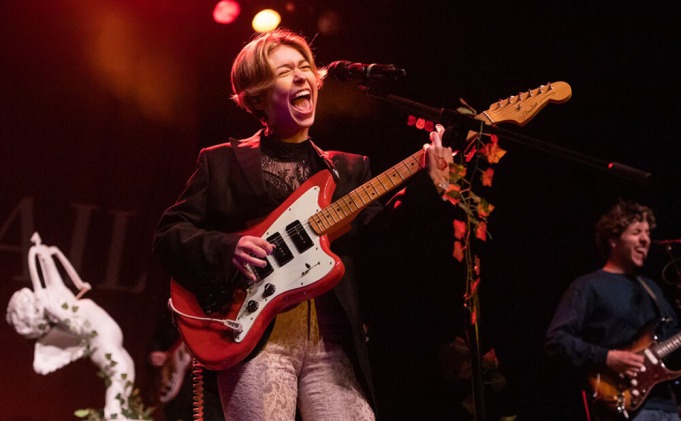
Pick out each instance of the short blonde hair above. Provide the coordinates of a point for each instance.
(252, 73)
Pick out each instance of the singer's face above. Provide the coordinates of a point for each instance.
(290, 104)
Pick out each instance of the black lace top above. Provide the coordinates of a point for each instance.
(286, 166)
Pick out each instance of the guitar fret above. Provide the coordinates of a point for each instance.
(327, 221)
(341, 202)
(321, 221)
(367, 191)
(316, 227)
(375, 189)
(360, 198)
(331, 215)
(349, 205)
(668, 346)
(337, 214)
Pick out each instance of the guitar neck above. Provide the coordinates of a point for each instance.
(341, 212)
(517, 109)
(667, 347)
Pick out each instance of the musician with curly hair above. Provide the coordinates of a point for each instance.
(599, 317)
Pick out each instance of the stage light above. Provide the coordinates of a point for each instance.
(266, 20)
(329, 23)
(226, 11)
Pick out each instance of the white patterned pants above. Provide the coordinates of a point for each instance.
(302, 364)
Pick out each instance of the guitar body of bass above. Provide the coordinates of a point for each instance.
(619, 394)
(298, 271)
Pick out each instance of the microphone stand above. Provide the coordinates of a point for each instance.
(464, 124)
(453, 118)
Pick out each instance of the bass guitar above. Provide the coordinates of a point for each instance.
(617, 393)
(302, 266)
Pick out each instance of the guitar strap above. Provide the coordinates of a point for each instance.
(658, 309)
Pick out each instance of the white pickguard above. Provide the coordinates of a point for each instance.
(305, 269)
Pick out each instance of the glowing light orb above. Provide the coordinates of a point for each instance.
(226, 11)
(266, 20)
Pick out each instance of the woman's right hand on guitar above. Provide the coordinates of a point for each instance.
(624, 362)
(247, 251)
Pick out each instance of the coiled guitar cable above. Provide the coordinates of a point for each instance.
(197, 381)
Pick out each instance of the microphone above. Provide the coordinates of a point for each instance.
(345, 71)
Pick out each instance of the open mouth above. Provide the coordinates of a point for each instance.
(642, 252)
(302, 101)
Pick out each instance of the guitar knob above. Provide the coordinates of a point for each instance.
(252, 306)
(635, 392)
(634, 382)
(269, 290)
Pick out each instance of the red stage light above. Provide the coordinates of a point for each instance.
(226, 11)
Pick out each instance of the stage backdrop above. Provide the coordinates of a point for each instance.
(106, 103)
(97, 137)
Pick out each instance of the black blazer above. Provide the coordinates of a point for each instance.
(194, 243)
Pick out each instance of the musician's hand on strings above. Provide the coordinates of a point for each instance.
(251, 251)
(438, 158)
(624, 362)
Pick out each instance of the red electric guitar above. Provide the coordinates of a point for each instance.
(302, 266)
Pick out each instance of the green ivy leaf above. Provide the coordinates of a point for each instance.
(82, 413)
(465, 111)
(108, 356)
(124, 376)
(65, 306)
(485, 208)
(147, 413)
(456, 172)
(74, 308)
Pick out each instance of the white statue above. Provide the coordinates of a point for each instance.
(68, 327)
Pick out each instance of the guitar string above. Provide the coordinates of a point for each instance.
(323, 220)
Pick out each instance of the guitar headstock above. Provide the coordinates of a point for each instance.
(521, 108)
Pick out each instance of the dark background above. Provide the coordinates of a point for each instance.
(107, 103)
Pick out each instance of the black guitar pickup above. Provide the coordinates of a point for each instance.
(282, 254)
(264, 272)
(296, 232)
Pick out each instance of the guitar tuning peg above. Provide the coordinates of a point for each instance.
(520, 106)
(550, 86)
(529, 94)
(510, 100)
(499, 104)
(539, 90)
(519, 96)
